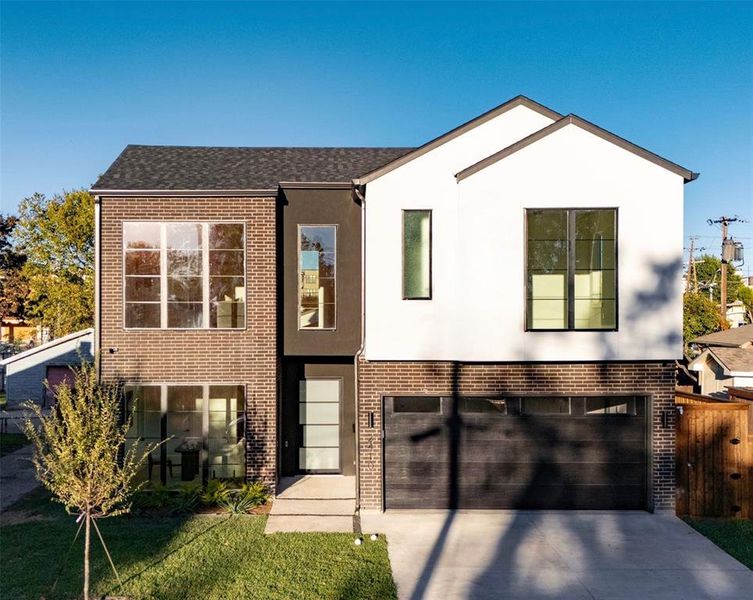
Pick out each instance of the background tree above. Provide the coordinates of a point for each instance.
(57, 236)
(709, 277)
(80, 454)
(700, 316)
(13, 285)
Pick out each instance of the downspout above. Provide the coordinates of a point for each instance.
(360, 195)
(97, 286)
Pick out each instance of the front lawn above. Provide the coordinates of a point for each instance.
(10, 442)
(734, 537)
(208, 557)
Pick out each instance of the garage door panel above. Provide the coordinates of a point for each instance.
(437, 449)
(489, 474)
(516, 428)
(513, 461)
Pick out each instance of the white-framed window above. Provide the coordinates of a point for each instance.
(184, 275)
(317, 278)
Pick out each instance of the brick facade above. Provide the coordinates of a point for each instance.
(246, 357)
(405, 378)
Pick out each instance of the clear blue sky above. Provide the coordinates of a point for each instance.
(80, 81)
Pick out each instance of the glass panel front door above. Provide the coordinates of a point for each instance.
(319, 422)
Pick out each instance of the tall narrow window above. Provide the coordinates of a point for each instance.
(316, 276)
(571, 262)
(142, 249)
(185, 284)
(183, 275)
(227, 284)
(416, 254)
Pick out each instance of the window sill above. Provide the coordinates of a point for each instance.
(615, 329)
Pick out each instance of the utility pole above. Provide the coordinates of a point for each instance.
(691, 284)
(727, 255)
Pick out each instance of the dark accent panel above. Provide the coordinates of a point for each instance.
(293, 371)
(323, 207)
(493, 460)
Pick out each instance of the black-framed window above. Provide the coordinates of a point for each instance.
(571, 264)
(416, 255)
(202, 427)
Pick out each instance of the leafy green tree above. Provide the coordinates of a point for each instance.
(57, 236)
(80, 454)
(709, 269)
(700, 316)
(13, 285)
(745, 294)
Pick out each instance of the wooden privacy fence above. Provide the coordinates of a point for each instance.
(714, 457)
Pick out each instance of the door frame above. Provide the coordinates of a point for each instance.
(299, 427)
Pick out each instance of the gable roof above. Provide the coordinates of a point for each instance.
(572, 119)
(458, 131)
(731, 338)
(205, 168)
(734, 360)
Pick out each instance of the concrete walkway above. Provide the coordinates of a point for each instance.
(17, 476)
(324, 503)
(552, 554)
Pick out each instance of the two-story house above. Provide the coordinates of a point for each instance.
(487, 321)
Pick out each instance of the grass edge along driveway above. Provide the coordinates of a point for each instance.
(208, 557)
(734, 536)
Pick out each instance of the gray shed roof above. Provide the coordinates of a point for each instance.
(196, 168)
(735, 337)
(735, 360)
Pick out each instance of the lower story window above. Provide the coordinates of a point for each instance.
(203, 425)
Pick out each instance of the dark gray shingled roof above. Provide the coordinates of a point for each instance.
(173, 168)
(733, 337)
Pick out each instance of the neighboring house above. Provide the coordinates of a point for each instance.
(15, 329)
(726, 360)
(737, 314)
(511, 345)
(26, 372)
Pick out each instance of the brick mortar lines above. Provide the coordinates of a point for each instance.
(377, 379)
(247, 357)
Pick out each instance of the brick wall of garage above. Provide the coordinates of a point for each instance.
(246, 356)
(377, 379)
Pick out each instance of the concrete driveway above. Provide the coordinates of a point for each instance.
(552, 554)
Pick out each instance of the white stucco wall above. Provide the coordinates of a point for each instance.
(477, 312)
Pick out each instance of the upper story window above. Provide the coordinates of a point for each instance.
(571, 269)
(316, 276)
(184, 275)
(416, 254)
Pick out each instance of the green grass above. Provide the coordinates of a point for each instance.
(10, 442)
(192, 557)
(734, 537)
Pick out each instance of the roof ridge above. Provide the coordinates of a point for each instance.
(182, 146)
(573, 119)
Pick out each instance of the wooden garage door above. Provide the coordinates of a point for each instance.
(522, 452)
